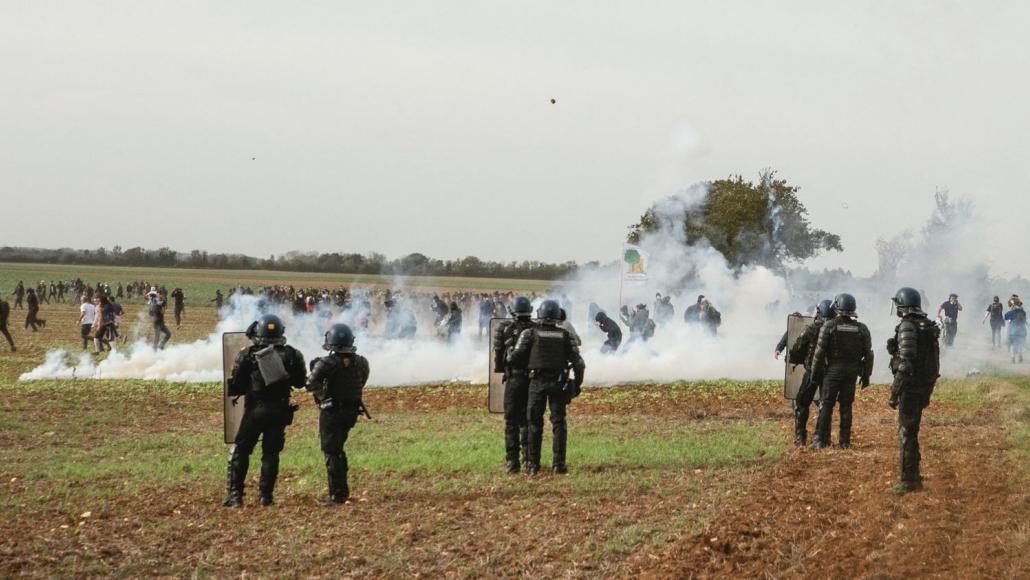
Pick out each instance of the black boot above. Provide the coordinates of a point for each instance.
(236, 475)
(336, 471)
(911, 480)
(845, 426)
(800, 426)
(821, 436)
(512, 448)
(269, 473)
(558, 450)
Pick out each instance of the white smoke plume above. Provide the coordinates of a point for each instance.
(394, 362)
(753, 301)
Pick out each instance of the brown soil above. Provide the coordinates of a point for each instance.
(813, 514)
(830, 514)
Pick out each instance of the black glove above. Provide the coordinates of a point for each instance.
(864, 381)
(892, 346)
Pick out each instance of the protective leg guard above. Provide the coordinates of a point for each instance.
(821, 437)
(845, 426)
(336, 471)
(512, 447)
(235, 477)
(800, 426)
(269, 473)
(558, 446)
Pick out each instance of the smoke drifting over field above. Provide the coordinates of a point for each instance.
(754, 302)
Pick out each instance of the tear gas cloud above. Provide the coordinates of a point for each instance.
(753, 300)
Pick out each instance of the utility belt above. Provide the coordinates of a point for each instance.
(546, 375)
(256, 401)
(516, 372)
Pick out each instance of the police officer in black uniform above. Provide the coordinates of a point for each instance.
(803, 352)
(516, 382)
(336, 381)
(264, 372)
(843, 354)
(548, 351)
(915, 362)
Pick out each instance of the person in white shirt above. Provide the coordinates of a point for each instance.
(87, 316)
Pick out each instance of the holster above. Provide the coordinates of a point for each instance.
(290, 412)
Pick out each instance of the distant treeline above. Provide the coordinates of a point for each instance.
(335, 263)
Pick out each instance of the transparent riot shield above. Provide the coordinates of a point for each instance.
(495, 386)
(792, 380)
(232, 344)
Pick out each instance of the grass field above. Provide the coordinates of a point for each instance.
(203, 283)
(690, 479)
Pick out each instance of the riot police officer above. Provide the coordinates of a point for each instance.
(548, 351)
(915, 362)
(803, 352)
(516, 382)
(843, 354)
(337, 380)
(264, 372)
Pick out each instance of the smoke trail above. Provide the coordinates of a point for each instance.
(394, 362)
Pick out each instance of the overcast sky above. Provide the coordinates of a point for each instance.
(262, 127)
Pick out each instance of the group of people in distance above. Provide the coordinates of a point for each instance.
(1015, 317)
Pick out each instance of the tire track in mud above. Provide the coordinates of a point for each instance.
(831, 513)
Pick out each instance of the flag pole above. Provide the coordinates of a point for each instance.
(622, 259)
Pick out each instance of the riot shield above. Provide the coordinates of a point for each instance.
(792, 379)
(495, 386)
(232, 344)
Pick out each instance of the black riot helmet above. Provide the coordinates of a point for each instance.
(523, 307)
(339, 338)
(562, 316)
(825, 309)
(549, 311)
(268, 329)
(845, 304)
(908, 298)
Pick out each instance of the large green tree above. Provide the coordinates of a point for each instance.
(760, 223)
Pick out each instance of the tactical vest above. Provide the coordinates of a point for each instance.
(347, 379)
(547, 353)
(847, 342)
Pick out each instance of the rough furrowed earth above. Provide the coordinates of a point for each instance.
(691, 479)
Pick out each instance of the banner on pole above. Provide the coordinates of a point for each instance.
(634, 264)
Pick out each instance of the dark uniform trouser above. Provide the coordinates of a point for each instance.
(802, 403)
(266, 420)
(910, 415)
(838, 387)
(7, 335)
(334, 426)
(516, 403)
(178, 316)
(544, 393)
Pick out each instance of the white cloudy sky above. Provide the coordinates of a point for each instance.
(262, 127)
